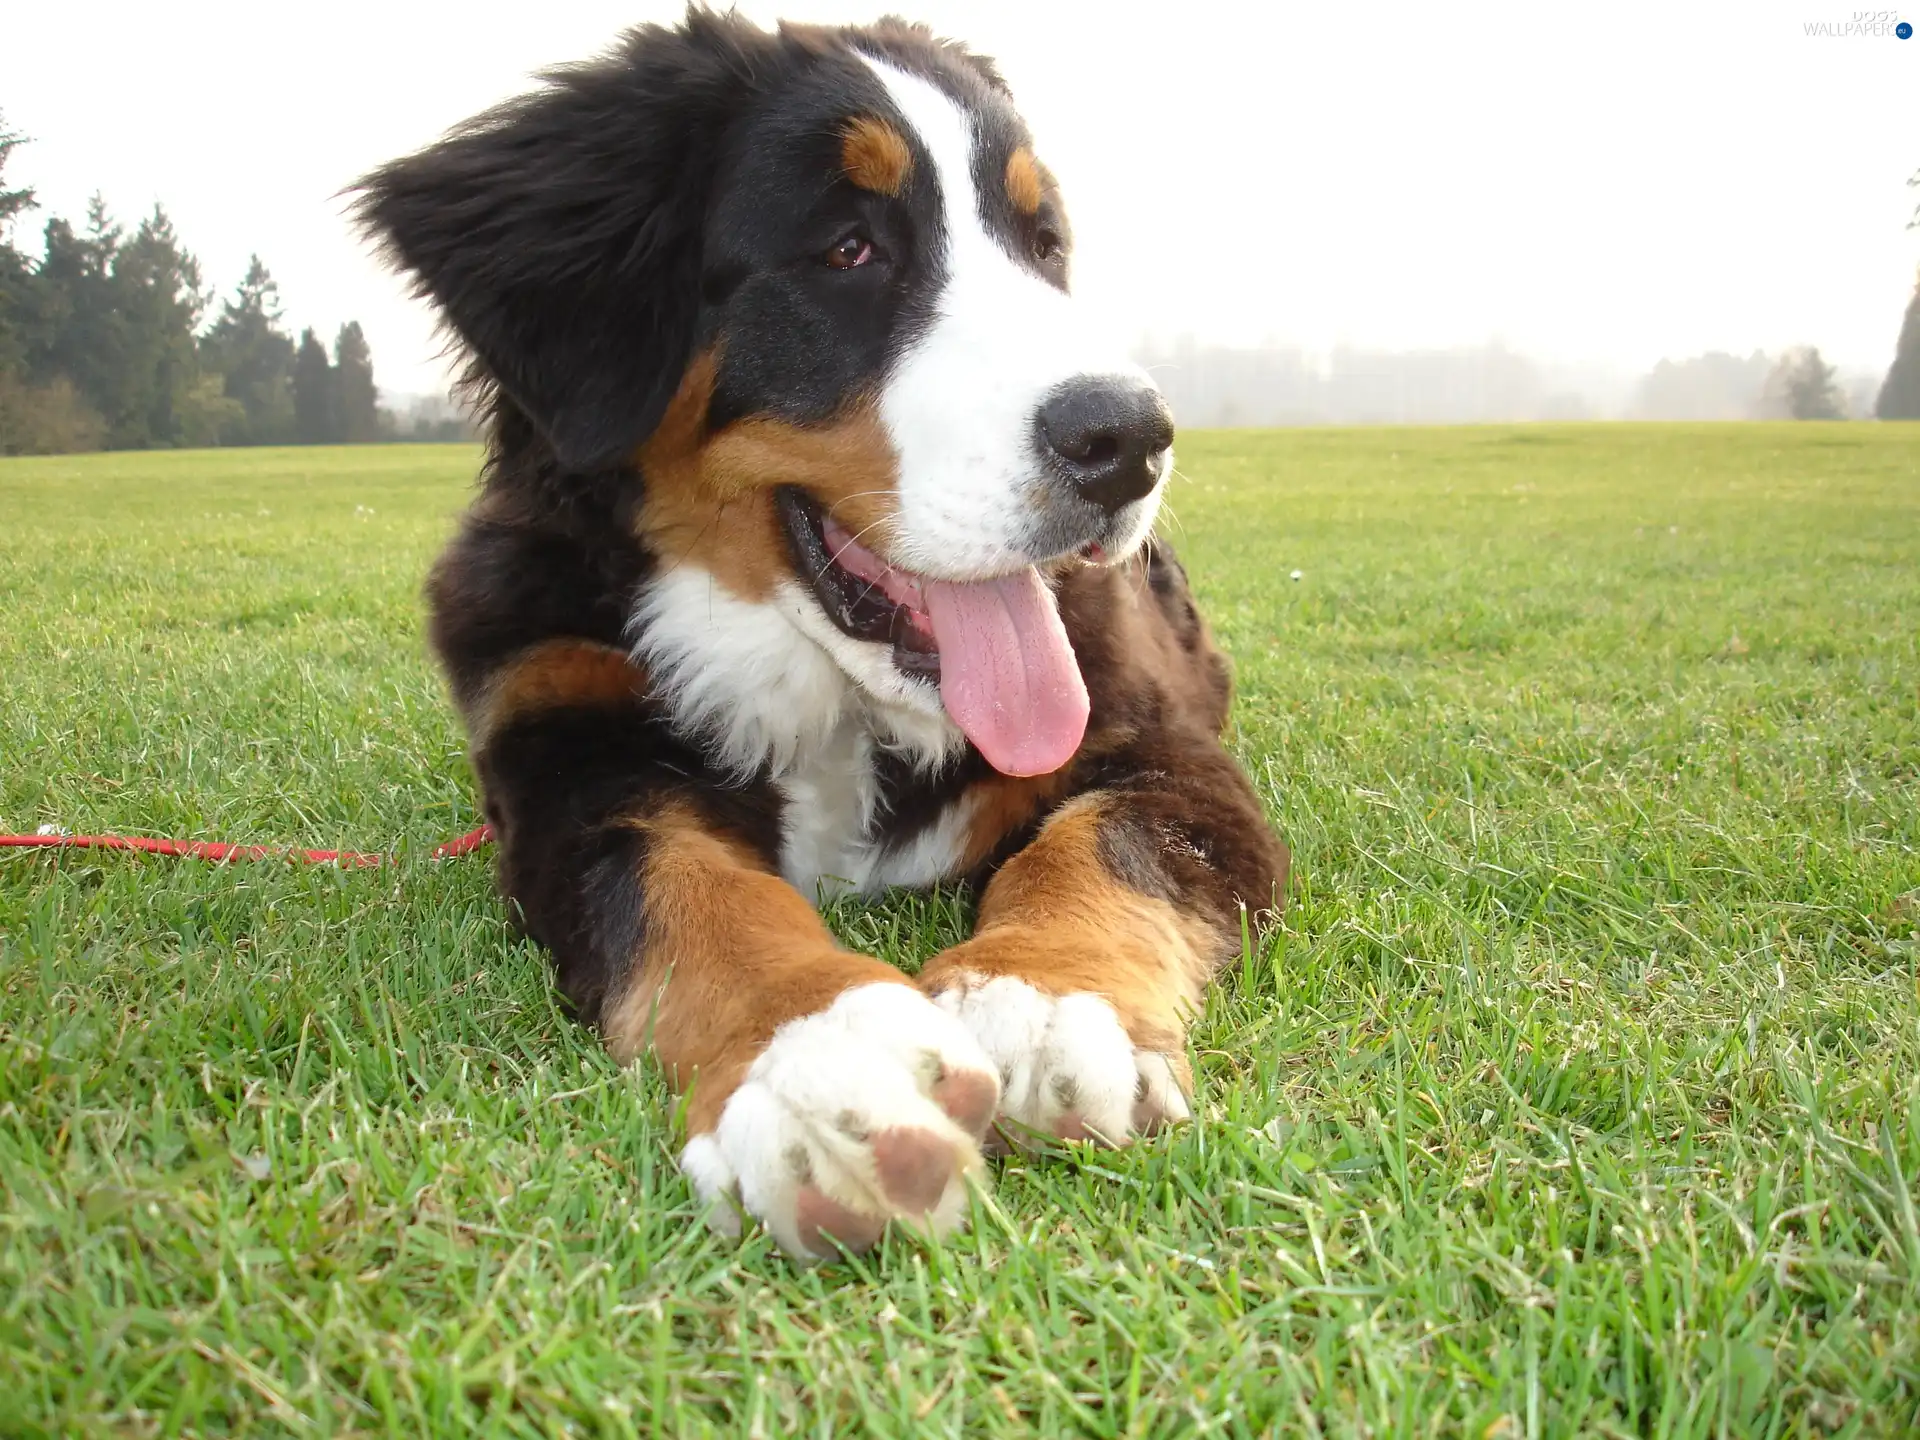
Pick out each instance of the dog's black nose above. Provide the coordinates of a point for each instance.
(1105, 435)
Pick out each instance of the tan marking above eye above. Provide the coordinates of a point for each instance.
(875, 156)
(1025, 185)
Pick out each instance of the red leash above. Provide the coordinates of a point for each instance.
(211, 850)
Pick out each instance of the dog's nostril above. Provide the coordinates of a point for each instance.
(1096, 450)
(1104, 435)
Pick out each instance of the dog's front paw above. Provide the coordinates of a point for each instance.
(867, 1112)
(1067, 1066)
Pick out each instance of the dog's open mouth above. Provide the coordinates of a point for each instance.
(1007, 674)
(863, 595)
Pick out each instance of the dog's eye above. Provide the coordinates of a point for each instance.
(848, 252)
(1048, 246)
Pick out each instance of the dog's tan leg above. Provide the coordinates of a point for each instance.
(1093, 950)
(828, 1097)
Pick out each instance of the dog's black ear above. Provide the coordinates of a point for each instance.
(560, 233)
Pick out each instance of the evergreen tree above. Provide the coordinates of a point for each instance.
(315, 413)
(156, 286)
(255, 356)
(12, 202)
(16, 271)
(16, 296)
(356, 400)
(1900, 392)
(1801, 388)
(116, 316)
(76, 332)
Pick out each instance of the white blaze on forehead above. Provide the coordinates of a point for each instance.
(961, 406)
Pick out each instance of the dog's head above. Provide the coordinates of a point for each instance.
(812, 285)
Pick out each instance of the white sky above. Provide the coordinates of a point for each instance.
(1607, 183)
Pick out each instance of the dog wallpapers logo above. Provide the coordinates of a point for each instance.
(1862, 25)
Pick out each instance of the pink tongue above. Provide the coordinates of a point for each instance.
(1007, 674)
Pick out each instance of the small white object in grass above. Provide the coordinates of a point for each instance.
(1295, 575)
(53, 830)
(257, 1166)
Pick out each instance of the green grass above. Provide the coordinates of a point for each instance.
(1579, 1093)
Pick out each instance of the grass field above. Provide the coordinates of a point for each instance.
(1579, 1093)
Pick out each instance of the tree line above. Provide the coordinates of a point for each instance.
(109, 340)
(1212, 385)
(1276, 384)
(1797, 385)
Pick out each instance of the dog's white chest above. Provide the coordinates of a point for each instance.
(771, 687)
(830, 841)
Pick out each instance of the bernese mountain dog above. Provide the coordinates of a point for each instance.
(814, 554)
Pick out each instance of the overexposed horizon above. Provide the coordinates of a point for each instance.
(1603, 188)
